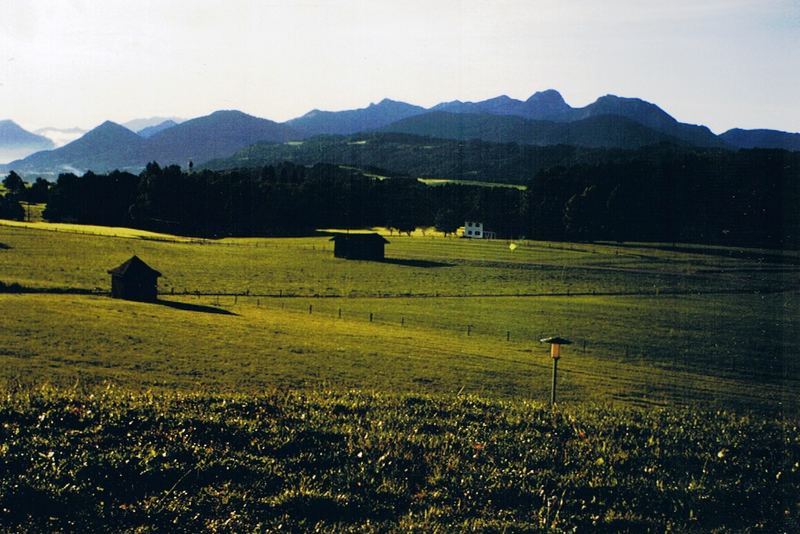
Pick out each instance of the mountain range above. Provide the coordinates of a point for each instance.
(544, 119)
(600, 131)
(113, 146)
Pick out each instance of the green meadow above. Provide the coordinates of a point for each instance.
(682, 379)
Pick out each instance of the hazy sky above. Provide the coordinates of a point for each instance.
(722, 63)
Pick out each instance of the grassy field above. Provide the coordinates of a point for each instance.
(650, 325)
(678, 402)
(338, 461)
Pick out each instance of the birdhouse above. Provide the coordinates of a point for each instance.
(555, 345)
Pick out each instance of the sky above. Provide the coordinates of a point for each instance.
(722, 63)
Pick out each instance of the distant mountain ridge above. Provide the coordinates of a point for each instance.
(546, 105)
(542, 105)
(550, 105)
(137, 125)
(150, 131)
(112, 146)
(601, 131)
(544, 119)
(107, 147)
(762, 139)
(214, 136)
(375, 116)
(16, 142)
(60, 136)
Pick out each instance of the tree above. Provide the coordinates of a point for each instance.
(11, 209)
(38, 192)
(14, 184)
(584, 214)
(446, 221)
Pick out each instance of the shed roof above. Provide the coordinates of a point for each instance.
(134, 266)
(359, 237)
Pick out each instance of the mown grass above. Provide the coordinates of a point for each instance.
(333, 461)
(268, 410)
(730, 338)
(418, 265)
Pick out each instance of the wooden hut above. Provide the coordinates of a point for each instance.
(134, 280)
(359, 246)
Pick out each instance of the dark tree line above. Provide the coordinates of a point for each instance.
(659, 193)
(749, 197)
(18, 191)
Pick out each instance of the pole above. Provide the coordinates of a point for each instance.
(553, 390)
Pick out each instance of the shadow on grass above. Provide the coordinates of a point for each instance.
(185, 306)
(416, 263)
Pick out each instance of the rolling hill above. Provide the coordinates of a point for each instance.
(386, 153)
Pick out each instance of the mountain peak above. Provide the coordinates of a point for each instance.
(229, 113)
(548, 96)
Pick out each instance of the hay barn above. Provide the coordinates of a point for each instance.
(359, 246)
(134, 280)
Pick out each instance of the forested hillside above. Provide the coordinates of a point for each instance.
(655, 194)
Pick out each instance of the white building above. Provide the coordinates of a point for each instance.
(474, 230)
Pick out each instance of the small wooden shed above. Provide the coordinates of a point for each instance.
(134, 280)
(359, 246)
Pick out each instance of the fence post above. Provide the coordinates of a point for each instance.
(370, 316)
(310, 308)
(340, 313)
(469, 329)
(402, 321)
(508, 335)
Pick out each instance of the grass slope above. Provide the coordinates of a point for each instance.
(355, 462)
(697, 328)
(418, 408)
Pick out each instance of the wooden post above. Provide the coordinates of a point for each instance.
(310, 308)
(402, 321)
(340, 313)
(370, 316)
(584, 346)
(469, 329)
(553, 390)
(508, 335)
